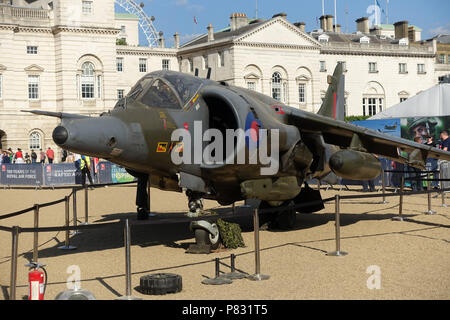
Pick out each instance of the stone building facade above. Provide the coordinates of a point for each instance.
(63, 56)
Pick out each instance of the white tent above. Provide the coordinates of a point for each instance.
(434, 102)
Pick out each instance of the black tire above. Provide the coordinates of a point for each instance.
(204, 237)
(160, 283)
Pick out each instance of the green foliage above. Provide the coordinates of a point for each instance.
(230, 234)
(356, 118)
(121, 42)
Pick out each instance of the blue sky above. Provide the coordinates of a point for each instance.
(178, 15)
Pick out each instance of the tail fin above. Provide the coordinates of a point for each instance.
(333, 105)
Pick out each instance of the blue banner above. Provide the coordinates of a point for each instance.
(21, 174)
(59, 174)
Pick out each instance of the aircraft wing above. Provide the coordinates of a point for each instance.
(347, 135)
(61, 115)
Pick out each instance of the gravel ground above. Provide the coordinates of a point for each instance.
(412, 257)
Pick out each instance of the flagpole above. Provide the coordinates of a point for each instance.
(387, 12)
(323, 7)
(256, 15)
(335, 16)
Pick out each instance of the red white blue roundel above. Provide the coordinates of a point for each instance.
(252, 126)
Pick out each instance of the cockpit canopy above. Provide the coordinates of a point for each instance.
(164, 89)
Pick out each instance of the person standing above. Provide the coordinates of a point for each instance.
(445, 141)
(33, 156)
(42, 156)
(50, 155)
(19, 156)
(5, 158)
(432, 163)
(27, 158)
(85, 166)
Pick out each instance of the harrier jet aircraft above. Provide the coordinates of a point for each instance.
(152, 125)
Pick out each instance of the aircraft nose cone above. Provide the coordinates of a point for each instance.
(60, 135)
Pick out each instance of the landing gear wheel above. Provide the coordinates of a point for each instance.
(195, 203)
(160, 283)
(204, 237)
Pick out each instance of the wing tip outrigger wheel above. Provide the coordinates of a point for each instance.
(206, 233)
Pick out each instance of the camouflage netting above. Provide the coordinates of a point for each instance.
(230, 234)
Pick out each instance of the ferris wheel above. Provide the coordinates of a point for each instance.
(145, 22)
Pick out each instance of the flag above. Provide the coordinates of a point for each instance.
(195, 20)
(378, 4)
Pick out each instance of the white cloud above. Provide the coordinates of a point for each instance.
(181, 2)
(440, 30)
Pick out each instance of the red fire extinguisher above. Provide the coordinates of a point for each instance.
(37, 281)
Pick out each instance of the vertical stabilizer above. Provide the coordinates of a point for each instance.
(333, 105)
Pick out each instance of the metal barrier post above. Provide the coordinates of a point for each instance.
(233, 274)
(127, 243)
(400, 205)
(383, 186)
(441, 176)
(14, 249)
(66, 245)
(86, 206)
(338, 251)
(35, 235)
(429, 195)
(257, 276)
(74, 208)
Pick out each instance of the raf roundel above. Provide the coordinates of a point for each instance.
(252, 124)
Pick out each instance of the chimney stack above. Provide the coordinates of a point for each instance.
(337, 28)
(323, 23)
(300, 25)
(362, 25)
(162, 42)
(401, 29)
(329, 23)
(238, 20)
(210, 33)
(176, 40)
(282, 15)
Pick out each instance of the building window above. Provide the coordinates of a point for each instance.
(441, 58)
(119, 63)
(371, 105)
(191, 65)
(448, 59)
(205, 62)
(421, 68)
(87, 7)
(33, 87)
(120, 93)
(373, 67)
(166, 64)
(87, 81)
(302, 93)
(99, 87)
(35, 141)
(123, 29)
(403, 99)
(402, 68)
(142, 65)
(221, 57)
(251, 85)
(276, 86)
(323, 66)
(32, 49)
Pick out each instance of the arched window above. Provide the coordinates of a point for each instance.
(87, 81)
(276, 86)
(35, 141)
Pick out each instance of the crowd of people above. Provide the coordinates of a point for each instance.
(35, 156)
